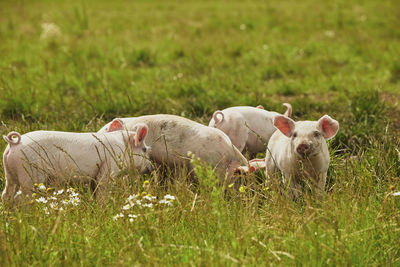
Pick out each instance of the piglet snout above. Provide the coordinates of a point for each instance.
(303, 148)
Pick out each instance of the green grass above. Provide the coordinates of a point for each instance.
(130, 58)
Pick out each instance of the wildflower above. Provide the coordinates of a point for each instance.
(53, 205)
(131, 217)
(148, 205)
(164, 201)
(75, 201)
(65, 201)
(46, 211)
(396, 194)
(116, 217)
(50, 31)
(73, 194)
(126, 207)
(41, 187)
(59, 192)
(241, 189)
(131, 197)
(231, 185)
(148, 198)
(19, 192)
(146, 182)
(34, 195)
(169, 197)
(41, 200)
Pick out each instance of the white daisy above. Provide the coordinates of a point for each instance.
(169, 197)
(41, 200)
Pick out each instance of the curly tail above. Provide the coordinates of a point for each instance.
(215, 116)
(288, 112)
(10, 138)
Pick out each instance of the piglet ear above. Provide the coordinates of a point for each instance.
(284, 124)
(260, 107)
(141, 132)
(218, 116)
(116, 125)
(328, 126)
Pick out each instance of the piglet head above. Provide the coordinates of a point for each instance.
(139, 148)
(306, 137)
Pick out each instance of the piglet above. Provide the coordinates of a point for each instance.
(37, 157)
(249, 128)
(299, 151)
(172, 137)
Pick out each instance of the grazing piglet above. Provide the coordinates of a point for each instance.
(37, 157)
(245, 126)
(172, 137)
(299, 151)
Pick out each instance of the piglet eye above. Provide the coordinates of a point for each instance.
(316, 134)
(294, 135)
(144, 149)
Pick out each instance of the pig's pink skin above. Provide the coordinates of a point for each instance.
(283, 153)
(172, 137)
(245, 125)
(68, 157)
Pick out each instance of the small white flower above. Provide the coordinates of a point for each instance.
(132, 216)
(396, 194)
(169, 197)
(148, 198)
(52, 198)
(75, 201)
(41, 187)
(148, 205)
(65, 201)
(19, 192)
(53, 205)
(41, 200)
(50, 31)
(46, 211)
(116, 217)
(166, 202)
(126, 207)
(131, 197)
(73, 194)
(138, 202)
(59, 192)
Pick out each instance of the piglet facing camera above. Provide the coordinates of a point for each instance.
(299, 151)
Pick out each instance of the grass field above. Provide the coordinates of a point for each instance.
(75, 65)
